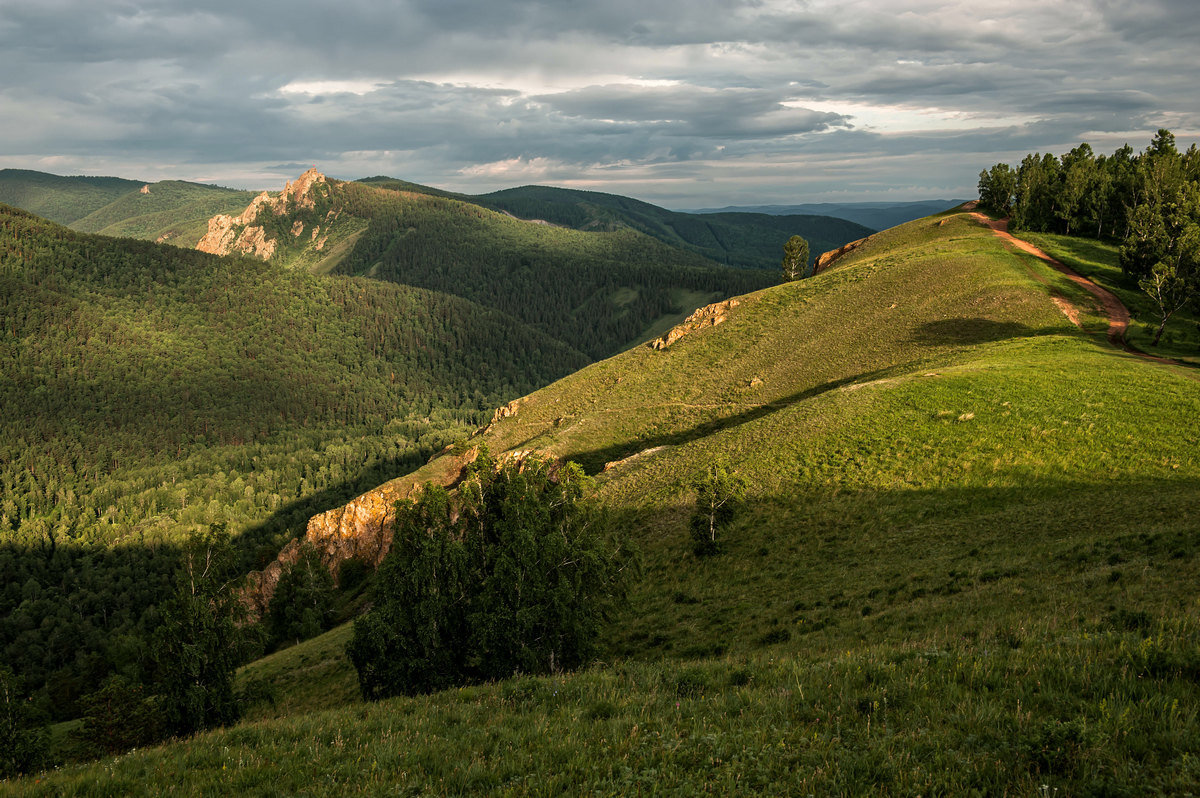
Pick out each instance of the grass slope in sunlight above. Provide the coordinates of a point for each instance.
(1100, 262)
(172, 211)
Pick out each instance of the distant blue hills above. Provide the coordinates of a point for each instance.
(875, 215)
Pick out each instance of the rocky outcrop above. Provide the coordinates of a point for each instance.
(507, 411)
(220, 236)
(145, 189)
(360, 529)
(239, 234)
(300, 192)
(254, 241)
(707, 316)
(827, 258)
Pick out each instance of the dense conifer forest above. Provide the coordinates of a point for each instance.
(595, 291)
(149, 392)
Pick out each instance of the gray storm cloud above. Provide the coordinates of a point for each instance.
(684, 103)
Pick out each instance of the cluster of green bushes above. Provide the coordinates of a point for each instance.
(514, 575)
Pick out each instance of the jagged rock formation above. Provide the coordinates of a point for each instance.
(707, 316)
(360, 529)
(827, 258)
(239, 233)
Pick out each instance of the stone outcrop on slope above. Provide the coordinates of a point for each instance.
(707, 316)
(239, 233)
(360, 529)
(827, 258)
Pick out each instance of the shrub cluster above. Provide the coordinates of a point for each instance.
(515, 573)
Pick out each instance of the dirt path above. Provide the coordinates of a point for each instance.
(1117, 313)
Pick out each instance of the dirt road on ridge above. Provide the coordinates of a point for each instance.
(1117, 313)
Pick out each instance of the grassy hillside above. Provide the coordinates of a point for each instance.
(742, 240)
(966, 564)
(60, 199)
(149, 391)
(172, 211)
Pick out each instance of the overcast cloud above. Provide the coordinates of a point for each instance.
(686, 103)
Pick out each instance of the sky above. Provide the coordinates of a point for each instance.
(685, 103)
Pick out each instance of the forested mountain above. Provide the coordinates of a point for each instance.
(597, 291)
(149, 391)
(171, 211)
(61, 199)
(627, 271)
(741, 240)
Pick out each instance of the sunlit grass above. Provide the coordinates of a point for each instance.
(1099, 261)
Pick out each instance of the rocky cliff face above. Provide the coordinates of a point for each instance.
(361, 529)
(228, 234)
(707, 316)
(827, 258)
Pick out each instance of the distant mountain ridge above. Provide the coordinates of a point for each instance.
(596, 291)
(61, 199)
(740, 240)
(875, 215)
(177, 212)
(169, 211)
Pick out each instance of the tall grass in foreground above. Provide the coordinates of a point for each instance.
(1026, 709)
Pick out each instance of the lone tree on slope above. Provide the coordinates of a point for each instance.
(795, 258)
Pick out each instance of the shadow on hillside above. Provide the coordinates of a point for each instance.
(975, 331)
(76, 611)
(593, 462)
(819, 557)
(258, 544)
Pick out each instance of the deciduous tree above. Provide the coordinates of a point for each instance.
(196, 647)
(718, 496)
(795, 258)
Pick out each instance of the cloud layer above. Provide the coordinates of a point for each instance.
(682, 102)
